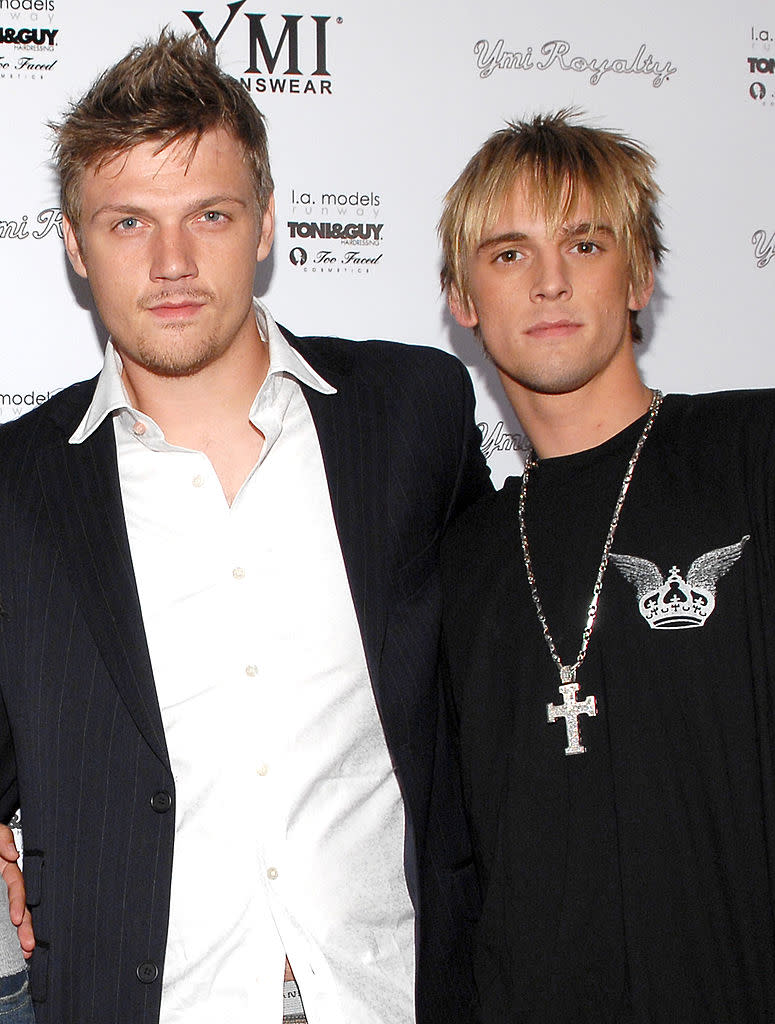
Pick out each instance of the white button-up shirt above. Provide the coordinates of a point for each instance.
(289, 821)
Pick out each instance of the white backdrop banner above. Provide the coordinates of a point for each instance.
(372, 111)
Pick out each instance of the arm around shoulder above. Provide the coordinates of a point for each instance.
(474, 474)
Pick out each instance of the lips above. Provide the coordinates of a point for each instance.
(553, 328)
(175, 310)
(181, 307)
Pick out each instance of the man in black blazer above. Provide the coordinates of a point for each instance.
(167, 203)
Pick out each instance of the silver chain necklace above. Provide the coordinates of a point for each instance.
(571, 709)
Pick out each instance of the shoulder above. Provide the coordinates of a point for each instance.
(719, 417)
(375, 356)
(59, 416)
(481, 529)
(729, 404)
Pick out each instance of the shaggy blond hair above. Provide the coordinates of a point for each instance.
(555, 160)
(164, 91)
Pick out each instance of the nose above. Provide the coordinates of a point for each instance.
(172, 258)
(551, 280)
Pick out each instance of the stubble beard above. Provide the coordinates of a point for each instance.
(177, 358)
(168, 352)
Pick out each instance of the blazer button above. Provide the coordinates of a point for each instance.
(147, 972)
(161, 801)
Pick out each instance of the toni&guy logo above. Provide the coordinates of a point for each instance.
(347, 232)
(28, 36)
(558, 53)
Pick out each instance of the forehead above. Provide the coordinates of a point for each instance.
(215, 164)
(523, 205)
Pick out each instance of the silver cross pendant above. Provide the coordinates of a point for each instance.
(570, 709)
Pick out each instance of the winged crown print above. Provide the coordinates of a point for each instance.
(675, 603)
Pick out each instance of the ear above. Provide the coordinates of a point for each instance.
(73, 248)
(640, 299)
(267, 231)
(462, 309)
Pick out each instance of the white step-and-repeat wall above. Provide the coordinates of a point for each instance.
(373, 109)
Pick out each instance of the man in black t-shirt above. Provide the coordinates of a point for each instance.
(607, 624)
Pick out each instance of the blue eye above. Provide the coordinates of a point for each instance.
(212, 216)
(128, 223)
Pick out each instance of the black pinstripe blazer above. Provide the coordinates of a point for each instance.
(82, 746)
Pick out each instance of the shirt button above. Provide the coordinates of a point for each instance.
(238, 573)
(251, 670)
(263, 769)
(198, 481)
(139, 428)
(271, 874)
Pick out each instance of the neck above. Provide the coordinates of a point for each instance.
(209, 410)
(213, 402)
(574, 422)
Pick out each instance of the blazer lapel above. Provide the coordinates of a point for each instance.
(351, 427)
(82, 493)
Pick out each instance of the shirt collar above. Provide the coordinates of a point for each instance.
(110, 395)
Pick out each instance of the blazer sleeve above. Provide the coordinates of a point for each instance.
(473, 478)
(9, 792)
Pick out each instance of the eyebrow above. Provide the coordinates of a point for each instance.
(506, 236)
(131, 210)
(583, 228)
(587, 228)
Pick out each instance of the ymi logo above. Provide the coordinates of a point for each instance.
(763, 248)
(497, 439)
(298, 256)
(49, 219)
(558, 53)
(299, 48)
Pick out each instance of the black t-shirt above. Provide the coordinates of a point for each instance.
(631, 882)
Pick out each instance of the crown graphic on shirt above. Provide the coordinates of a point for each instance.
(675, 602)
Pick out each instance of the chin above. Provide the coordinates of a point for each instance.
(175, 362)
(556, 384)
(174, 369)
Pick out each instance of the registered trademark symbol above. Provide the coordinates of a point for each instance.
(339, 21)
